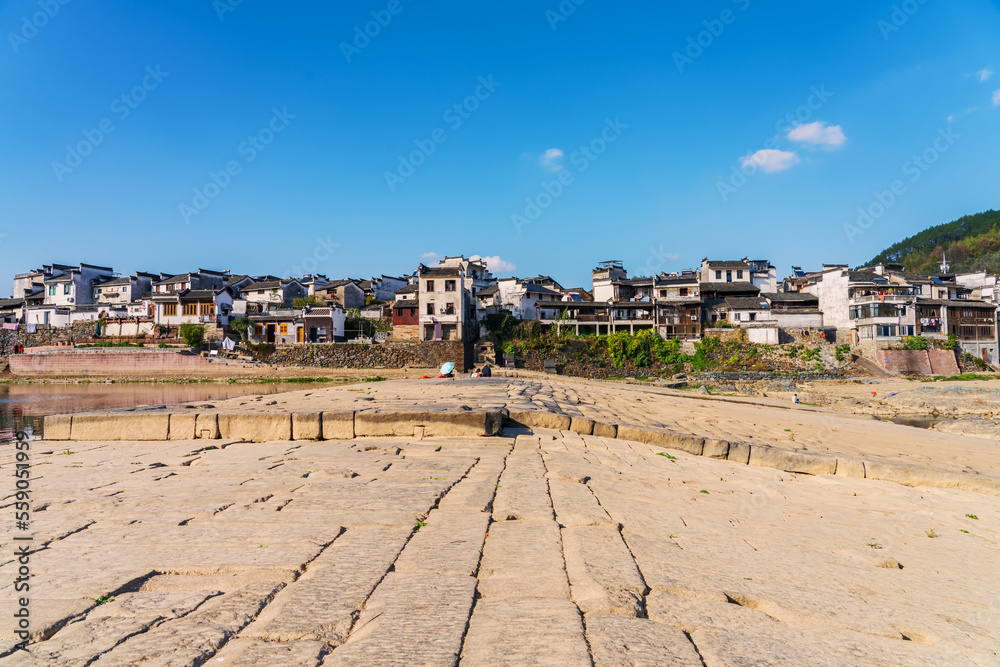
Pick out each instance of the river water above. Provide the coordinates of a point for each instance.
(24, 405)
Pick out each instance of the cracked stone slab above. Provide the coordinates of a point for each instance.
(523, 558)
(525, 631)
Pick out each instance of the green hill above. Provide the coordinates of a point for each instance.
(972, 243)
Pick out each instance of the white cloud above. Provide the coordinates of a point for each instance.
(551, 158)
(819, 134)
(495, 264)
(984, 74)
(771, 160)
(996, 98)
(430, 257)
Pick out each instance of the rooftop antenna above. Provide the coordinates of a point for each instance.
(944, 263)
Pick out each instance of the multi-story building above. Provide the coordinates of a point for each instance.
(202, 279)
(272, 294)
(448, 298)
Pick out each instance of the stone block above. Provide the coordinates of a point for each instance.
(182, 426)
(454, 423)
(120, 426)
(739, 452)
(256, 427)
(307, 426)
(207, 427)
(539, 419)
(914, 476)
(602, 574)
(526, 631)
(851, 468)
(606, 430)
(716, 449)
(792, 461)
(662, 438)
(618, 640)
(57, 427)
(582, 425)
(338, 425)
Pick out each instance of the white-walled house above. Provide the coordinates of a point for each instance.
(525, 300)
(272, 294)
(193, 307)
(202, 279)
(449, 298)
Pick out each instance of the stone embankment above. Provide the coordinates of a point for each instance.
(348, 425)
(381, 355)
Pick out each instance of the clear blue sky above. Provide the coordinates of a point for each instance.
(682, 124)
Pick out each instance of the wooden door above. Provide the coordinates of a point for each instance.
(300, 335)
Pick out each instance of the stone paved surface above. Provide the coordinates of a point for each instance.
(764, 421)
(534, 548)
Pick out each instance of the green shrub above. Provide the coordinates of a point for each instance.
(915, 343)
(193, 334)
(242, 326)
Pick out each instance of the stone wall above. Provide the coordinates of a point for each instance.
(106, 362)
(383, 355)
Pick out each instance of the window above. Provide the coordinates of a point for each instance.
(67, 289)
(449, 286)
(684, 291)
(283, 329)
(449, 309)
(430, 308)
(52, 290)
(399, 312)
(190, 309)
(663, 294)
(258, 329)
(739, 275)
(753, 317)
(169, 309)
(718, 275)
(207, 308)
(736, 317)
(430, 285)
(729, 276)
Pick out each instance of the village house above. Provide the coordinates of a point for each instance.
(207, 306)
(314, 282)
(309, 325)
(272, 294)
(384, 287)
(406, 314)
(345, 293)
(448, 298)
(202, 279)
(524, 300)
(64, 289)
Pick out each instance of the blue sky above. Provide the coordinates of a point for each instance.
(268, 138)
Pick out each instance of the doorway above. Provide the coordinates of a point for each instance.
(270, 333)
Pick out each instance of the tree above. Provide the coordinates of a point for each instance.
(192, 334)
(241, 325)
(302, 302)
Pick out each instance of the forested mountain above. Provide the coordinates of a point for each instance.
(972, 243)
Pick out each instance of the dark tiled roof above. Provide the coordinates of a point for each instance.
(407, 303)
(969, 303)
(409, 289)
(747, 303)
(537, 289)
(274, 284)
(676, 280)
(487, 291)
(790, 297)
(11, 303)
(737, 264)
(197, 294)
(116, 282)
(864, 277)
(182, 278)
(729, 288)
(438, 271)
(235, 279)
(338, 283)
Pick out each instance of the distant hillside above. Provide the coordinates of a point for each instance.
(972, 243)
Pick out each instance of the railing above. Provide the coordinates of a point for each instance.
(882, 298)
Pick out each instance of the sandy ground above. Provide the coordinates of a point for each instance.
(533, 548)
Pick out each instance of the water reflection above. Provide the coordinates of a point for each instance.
(27, 404)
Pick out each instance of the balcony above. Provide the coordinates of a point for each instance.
(882, 298)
